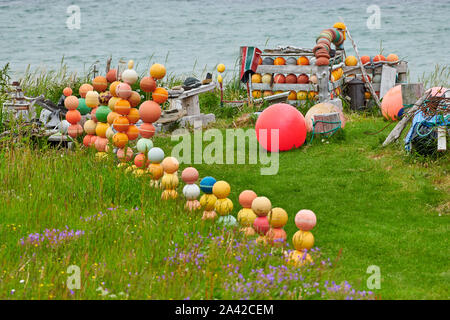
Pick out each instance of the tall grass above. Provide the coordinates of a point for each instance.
(439, 77)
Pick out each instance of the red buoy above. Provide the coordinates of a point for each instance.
(289, 123)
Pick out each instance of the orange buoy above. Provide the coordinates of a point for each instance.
(113, 87)
(365, 59)
(149, 111)
(67, 91)
(100, 83)
(73, 116)
(71, 103)
(122, 107)
(392, 57)
(378, 58)
(133, 115)
(120, 139)
(134, 99)
(280, 61)
(111, 117)
(147, 84)
(392, 103)
(75, 130)
(121, 124)
(132, 132)
(85, 88)
(111, 76)
(160, 95)
(147, 130)
(303, 61)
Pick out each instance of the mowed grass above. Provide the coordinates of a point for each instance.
(374, 207)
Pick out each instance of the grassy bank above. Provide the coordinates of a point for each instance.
(376, 207)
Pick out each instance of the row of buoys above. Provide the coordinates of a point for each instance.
(73, 116)
(281, 61)
(293, 95)
(290, 78)
(256, 218)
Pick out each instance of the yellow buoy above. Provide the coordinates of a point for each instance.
(221, 68)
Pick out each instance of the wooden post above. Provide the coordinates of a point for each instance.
(411, 92)
(323, 78)
(363, 70)
(108, 64)
(442, 138)
(387, 79)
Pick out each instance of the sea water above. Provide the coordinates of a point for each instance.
(192, 37)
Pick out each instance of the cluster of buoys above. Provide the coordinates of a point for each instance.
(256, 218)
(351, 61)
(73, 116)
(335, 35)
(115, 110)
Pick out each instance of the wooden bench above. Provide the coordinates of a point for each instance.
(187, 103)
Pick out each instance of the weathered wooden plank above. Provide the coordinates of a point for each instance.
(323, 75)
(284, 86)
(281, 97)
(287, 69)
(388, 77)
(203, 88)
(442, 138)
(411, 92)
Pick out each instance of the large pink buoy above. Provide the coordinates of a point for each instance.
(290, 124)
(438, 91)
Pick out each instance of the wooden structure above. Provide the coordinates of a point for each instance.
(384, 75)
(188, 108)
(18, 105)
(324, 86)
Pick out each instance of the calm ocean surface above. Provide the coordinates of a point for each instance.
(190, 35)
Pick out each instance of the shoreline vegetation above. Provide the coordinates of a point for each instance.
(374, 206)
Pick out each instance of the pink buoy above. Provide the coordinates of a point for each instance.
(189, 175)
(438, 91)
(305, 220)
(289, 123)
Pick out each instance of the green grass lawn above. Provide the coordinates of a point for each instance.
(377, 206)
